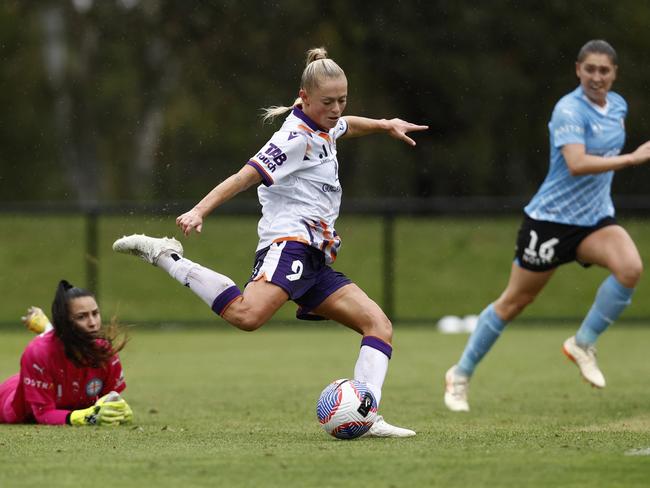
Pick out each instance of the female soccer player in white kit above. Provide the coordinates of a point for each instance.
(571, 218)
(300, 196)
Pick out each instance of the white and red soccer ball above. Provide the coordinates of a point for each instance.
(346, 409)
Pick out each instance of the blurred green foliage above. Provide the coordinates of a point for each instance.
(153, 100)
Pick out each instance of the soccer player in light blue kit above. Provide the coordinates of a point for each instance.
(571, 218)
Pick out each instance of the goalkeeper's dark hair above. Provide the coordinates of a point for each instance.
(83, 349)
(597, 46)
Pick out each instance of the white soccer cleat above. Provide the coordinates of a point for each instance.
(456, 387)
(147, 248)
(585, 359)
(381, 428)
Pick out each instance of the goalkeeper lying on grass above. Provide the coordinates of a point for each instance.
(70, 373)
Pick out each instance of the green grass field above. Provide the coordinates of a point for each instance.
(218, 407)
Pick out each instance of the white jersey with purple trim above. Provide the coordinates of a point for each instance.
(300, 192)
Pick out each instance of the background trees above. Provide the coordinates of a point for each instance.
(155, 99)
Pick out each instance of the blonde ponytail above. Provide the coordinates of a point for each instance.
(270, 113)
(317, 68)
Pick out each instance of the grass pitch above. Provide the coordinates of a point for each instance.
(442, 266)
(218, 407)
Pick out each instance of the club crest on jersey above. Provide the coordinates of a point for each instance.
(94, 387)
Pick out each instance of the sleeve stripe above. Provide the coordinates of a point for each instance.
(266, 178)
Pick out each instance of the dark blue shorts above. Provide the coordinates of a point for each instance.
(301, 271)
(542, 245)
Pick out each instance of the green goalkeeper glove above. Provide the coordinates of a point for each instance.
(108, 410)
(128, 414)
(114, 396)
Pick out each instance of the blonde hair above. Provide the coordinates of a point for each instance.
(318, 67)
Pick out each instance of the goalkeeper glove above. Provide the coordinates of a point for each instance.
(108, 410)
(114, 396)
(36, 320)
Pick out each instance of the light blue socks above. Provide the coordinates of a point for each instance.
(488, 329)
(611, 300)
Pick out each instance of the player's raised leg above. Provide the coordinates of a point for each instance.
(523, 286)
(351, 307)
(215, 289)
(247, 311)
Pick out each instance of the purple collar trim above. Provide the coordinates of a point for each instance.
(297, 111)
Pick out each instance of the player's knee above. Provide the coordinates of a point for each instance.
(379, 326)
(248, 323)
(630, 274)
(244, 318)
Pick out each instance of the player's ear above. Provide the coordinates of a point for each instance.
(304, 97)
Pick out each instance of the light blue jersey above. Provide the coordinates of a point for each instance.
(580, 200)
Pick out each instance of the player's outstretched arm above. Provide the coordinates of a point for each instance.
(224, 191)
(397, 128)
(581, 163)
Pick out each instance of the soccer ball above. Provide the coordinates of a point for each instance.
(346, 409)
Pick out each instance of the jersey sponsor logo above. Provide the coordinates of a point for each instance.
(569, 129)
(43, 385)
(330, 188)
(272, 157)
(94, 387)
(292, 135)
(38, 368)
